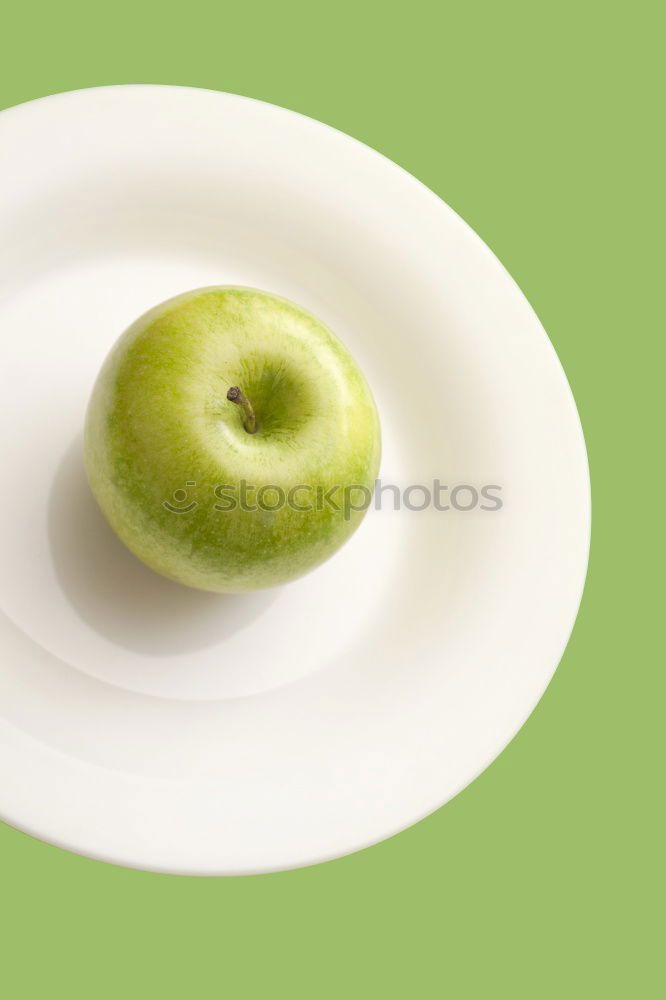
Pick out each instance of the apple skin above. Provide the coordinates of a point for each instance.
(159, 419)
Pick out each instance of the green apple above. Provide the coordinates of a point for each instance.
(231, 440)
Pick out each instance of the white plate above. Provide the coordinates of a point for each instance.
(171, 730)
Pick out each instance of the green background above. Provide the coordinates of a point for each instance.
(539, 124)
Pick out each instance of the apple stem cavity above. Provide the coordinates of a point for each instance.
(235, 395)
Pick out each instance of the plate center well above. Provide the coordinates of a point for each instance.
(72, 586)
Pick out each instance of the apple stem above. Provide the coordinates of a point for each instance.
(235, 395)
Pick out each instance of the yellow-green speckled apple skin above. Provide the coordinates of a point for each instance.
(159, 419)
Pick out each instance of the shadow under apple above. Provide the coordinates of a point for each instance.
(116, 594)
